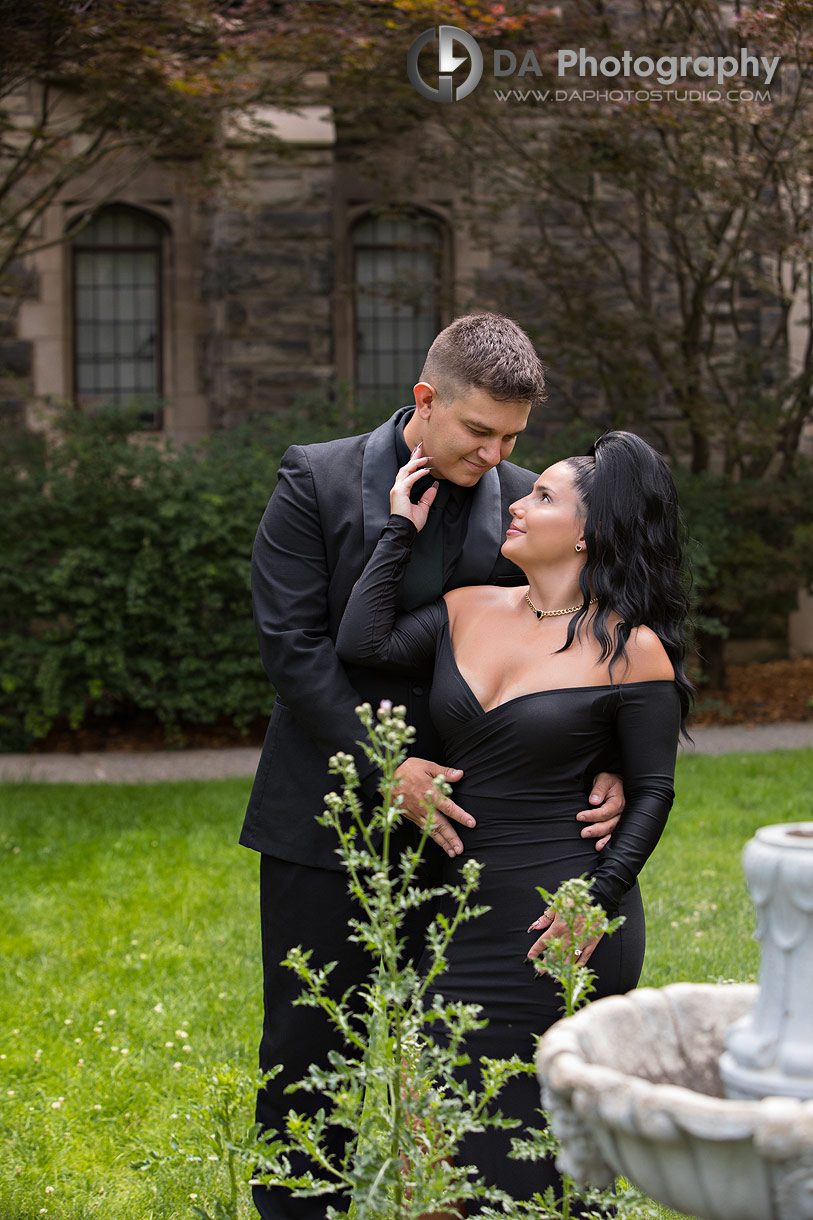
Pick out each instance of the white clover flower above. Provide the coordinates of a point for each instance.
(181, 1033)
(169, 1045)
(177, 1067)
(111, 1012)
(159, 1007)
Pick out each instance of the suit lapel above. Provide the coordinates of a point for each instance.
(484, 535)
(378, 470)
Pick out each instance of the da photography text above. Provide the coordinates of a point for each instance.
(454, 48)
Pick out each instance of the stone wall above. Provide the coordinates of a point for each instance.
(270, 286)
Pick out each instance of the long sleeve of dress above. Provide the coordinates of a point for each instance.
(647, 726)
(371, 631)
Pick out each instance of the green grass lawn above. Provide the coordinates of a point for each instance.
(129, 937)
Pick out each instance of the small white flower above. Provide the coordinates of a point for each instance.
(111, 1012)
(177, 1067)
(169, 1044)
(125, 1050)
(49, 1190)
(181, 1033)
(67, 1021)
(159, 1007)
(187, 1050)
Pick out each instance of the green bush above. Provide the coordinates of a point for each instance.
(125, 578)
(750, 554)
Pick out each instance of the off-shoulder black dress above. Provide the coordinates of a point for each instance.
(526, 765)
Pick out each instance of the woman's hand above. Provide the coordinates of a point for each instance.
(554, 926)
(400, 503)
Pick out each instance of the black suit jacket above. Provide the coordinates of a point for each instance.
(316, 535)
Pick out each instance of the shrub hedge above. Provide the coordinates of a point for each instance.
(126, 568)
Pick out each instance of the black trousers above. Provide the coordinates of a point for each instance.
(310, 907)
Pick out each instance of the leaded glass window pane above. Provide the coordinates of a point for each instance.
(117, 308)
(398, 265)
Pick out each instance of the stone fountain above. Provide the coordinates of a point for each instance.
(701, 1094)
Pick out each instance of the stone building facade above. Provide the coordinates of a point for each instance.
(310, 270)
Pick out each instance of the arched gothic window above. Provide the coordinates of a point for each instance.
(400, 278)
(117, 313)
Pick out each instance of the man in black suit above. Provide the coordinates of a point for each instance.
(478, 385)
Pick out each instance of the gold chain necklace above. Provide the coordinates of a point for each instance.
(540, 614)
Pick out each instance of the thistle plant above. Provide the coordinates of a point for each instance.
(395, 1084)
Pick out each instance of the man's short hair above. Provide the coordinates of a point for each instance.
(488, 352)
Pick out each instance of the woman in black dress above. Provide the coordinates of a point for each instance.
(530, 686)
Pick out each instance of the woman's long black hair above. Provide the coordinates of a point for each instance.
(634, 535)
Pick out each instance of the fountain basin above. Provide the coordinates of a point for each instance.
(633, 1087)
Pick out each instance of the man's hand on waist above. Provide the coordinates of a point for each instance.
(607, 801)
(415, 777)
